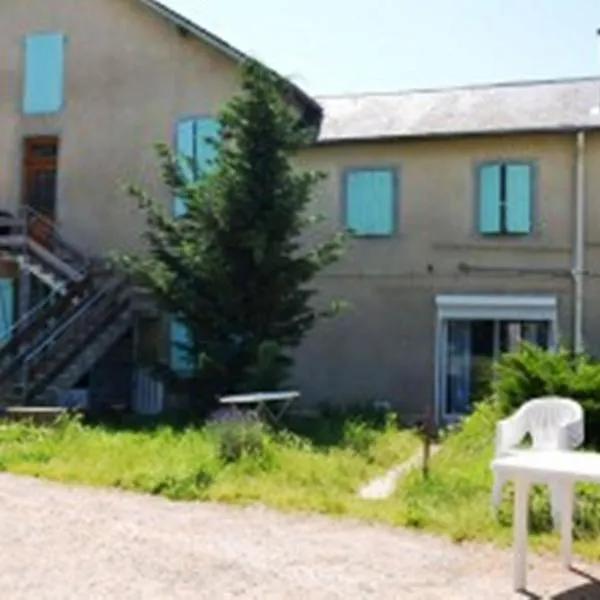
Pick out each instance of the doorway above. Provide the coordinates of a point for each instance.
(39, 191)
(473, 332)
(472, 348)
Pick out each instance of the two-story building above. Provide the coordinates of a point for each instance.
(476, 216)
(473, 209)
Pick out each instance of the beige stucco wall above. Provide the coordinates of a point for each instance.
(129, 77)
(437, 204)
(383, 346)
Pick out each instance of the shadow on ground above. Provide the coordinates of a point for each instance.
(590, 590)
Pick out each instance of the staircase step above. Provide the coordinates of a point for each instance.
(85, 360)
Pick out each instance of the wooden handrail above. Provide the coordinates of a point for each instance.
(43, 230)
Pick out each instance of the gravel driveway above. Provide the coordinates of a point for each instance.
(63, 542)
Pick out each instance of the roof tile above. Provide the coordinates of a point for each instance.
(499, 108)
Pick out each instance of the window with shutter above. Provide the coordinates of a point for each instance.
(505, 198)
(370, 201)
(193, 146)
(44, 73)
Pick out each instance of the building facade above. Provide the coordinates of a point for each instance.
(474, 212)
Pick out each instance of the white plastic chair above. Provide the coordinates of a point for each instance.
(553, 424)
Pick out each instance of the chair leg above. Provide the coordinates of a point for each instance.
(520, 526)
(556, 504)
(566, 529)
(497, 486)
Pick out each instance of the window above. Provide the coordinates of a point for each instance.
(44, 73)
(192, 142)
(505, 198)
(370, 201)
(471, 349)
(180, 359)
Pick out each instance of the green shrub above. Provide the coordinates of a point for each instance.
(377, 415)
(362, 437)
(358, 436)
(532, 372)
(238, 439)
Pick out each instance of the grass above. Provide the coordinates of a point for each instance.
(222, 463)
(319, 469)
(456, 498)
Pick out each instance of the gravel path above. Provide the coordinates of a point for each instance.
(64, 542)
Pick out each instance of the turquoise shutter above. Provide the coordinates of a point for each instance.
(191, 142)
(205, 130)
(518, 198)
(7, 297)
(180, 340)
(180, 359)
(44, 75)
(489, 199)
(185, 149)
(370, 200)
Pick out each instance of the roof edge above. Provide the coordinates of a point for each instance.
(457, 88)
(312, 112)
(563, 129)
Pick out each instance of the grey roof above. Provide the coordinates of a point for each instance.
(500, 108)
(312, 109)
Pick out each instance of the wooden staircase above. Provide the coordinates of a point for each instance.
(57, 342)
(33, 241)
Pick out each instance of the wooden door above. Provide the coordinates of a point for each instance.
(40, 174)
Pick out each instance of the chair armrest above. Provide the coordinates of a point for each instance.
(509, 433)
(571, 435)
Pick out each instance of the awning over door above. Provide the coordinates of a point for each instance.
(496, 307)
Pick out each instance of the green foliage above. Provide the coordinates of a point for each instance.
(233, 267)
(268, 369)
(358, 436)
(233, 462)
(532, 372)
(242, 438)
(336, 425)
(456, 498)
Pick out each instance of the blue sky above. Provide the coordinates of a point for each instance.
(342, 46)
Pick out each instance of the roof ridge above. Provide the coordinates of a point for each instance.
(476, 86)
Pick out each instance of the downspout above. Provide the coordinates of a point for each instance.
(578, 271)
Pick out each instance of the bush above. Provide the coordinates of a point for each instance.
(358, 436)
(240, 439)
(532, 372)
(456, 497)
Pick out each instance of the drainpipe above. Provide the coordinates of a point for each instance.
(579, 243)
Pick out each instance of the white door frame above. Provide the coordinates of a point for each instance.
(478, 307)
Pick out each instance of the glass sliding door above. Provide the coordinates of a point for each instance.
(514, 333)
(469, 349)
(458, 366)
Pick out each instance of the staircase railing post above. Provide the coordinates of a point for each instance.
(24, 380)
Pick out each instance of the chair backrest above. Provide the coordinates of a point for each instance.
(547, 419)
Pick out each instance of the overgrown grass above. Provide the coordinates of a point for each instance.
(319, 468)
(456, 498)
(225, 462)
